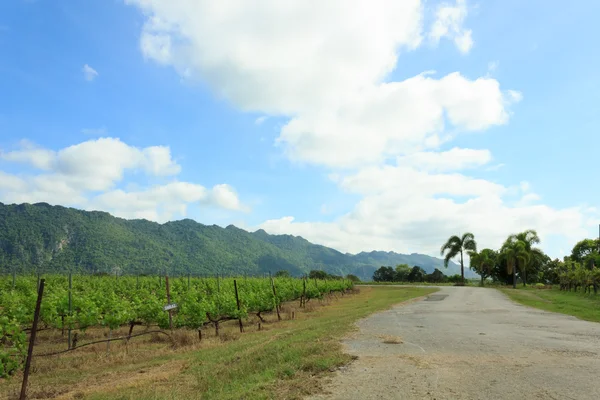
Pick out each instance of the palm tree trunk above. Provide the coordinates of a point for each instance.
(481, 280)
(524, 276)
(515, 275)
(462, 268)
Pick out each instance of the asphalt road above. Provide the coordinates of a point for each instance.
(470, 343)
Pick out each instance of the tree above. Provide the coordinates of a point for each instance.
(282, 274)
(528, 238)
(353, 278)
(315, 274)
(417, 274)
(483, 262)
(436, 276)
(457, 245)
(402, 272)
(586, 252)
(384, 274)
(516, 254)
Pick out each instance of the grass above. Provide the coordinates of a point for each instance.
(468, 282)
(583, 306)
(284, 360)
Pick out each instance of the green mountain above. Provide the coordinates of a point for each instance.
(46, 238)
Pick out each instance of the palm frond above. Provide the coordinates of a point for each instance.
(450, 249)
(449, 256)
(469, 243)
(531, 236)
(450, 243)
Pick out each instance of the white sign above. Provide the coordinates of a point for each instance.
(170, 307)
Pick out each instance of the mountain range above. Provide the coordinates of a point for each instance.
(41, 237)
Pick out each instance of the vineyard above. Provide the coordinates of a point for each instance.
(73, 304)
(574, 276)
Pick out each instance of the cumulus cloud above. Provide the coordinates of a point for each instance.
(88, 175)
(329, 79)
(452, 160)
(280, 57)
(414, 217)
(449, 20)
(95, 164)
(89, 73)
(326, 66)
(225, 196)
(395, 118)
(29, 153)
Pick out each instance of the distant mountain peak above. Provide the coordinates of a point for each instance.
(97, 241)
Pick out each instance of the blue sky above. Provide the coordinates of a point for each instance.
(256, 116)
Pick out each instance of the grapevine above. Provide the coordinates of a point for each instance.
(129, 301)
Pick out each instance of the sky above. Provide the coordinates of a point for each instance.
(360, 125)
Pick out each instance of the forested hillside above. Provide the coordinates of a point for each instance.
(54, 238)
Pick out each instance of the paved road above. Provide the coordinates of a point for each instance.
(470, 343)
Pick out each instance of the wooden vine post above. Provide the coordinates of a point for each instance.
(237, 300)
(36, 316)
(303, 298)
(276, 302)
(70, 308)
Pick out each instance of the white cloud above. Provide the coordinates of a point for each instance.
(260, 120)
(514, 96)
(89, 73)
(410, 182)
(413, 211)
(29, 153)
(493, 66)
(342, 113)
(157, 203)
(449, 23)
(10, 182)
(332, 81)
(395, 118)
(464, 41)
(528, 199)
(157, 160)
(495, 167)
(87, 175)
(264, 66)
(452, 160)
(225, 196)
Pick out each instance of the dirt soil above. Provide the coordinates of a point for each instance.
(470, 343)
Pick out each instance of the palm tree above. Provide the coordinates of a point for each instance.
(516, 254)
(457, 245)
(483, 262)
(529, 238)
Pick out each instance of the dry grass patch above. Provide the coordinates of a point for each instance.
(390, 339)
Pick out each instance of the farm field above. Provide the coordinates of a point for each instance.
(284, 355)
